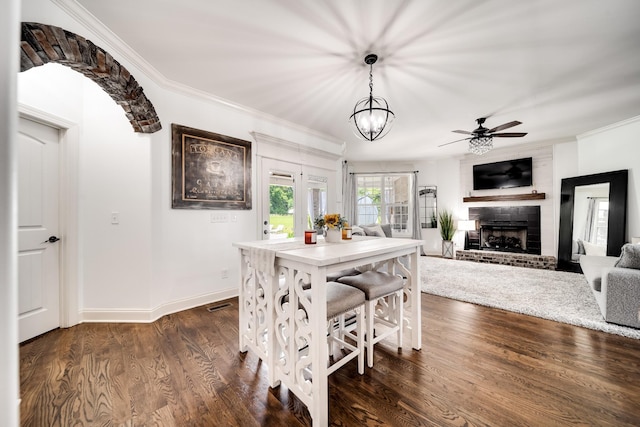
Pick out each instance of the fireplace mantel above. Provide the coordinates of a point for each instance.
(505, 197)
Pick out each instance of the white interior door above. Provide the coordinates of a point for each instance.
(305, 188)
(38, 250)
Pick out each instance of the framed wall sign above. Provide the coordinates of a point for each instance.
(209, 171)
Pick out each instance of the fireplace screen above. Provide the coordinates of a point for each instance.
(506, 229)
(507, 238)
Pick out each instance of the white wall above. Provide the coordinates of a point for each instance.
(115, 177)
(542, 174)
(443, 173)
(161, 259)
(612, 148)
(454, 179)
(448, 172)
(428, 175)
(9, 393)
(453, 176)
(158, 259)
(565, 165)
(190, 252)
(603, 150)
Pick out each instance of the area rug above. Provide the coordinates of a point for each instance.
(554, 295)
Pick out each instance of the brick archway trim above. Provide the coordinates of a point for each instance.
(42, 44)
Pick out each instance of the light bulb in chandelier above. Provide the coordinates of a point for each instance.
(371, 116)
(480, 144)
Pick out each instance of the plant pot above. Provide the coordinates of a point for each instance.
(447, 249)
(334, 235)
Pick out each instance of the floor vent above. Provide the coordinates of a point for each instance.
(218, 307)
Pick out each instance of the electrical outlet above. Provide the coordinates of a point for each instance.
(219, 217)
(115, 218)
(224, 273)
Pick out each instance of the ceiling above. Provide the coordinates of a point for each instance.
(562, 68)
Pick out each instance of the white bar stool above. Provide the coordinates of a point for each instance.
(341, 299)
(377, 285)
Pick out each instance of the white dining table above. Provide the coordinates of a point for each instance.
(286, 330)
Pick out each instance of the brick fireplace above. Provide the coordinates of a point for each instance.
(513, 229)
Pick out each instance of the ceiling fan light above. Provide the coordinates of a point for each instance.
(480, 144)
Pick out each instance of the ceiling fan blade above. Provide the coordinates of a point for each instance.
(457, 140)
(505, 126)
(462, 131)
(509, 134)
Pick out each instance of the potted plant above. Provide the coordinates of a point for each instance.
(447, 231)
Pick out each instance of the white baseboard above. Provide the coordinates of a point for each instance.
(151, 315)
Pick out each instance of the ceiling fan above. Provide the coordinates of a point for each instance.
(481, 139)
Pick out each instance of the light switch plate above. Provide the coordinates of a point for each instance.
(219, 217)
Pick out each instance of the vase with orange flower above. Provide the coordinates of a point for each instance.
(332, 225)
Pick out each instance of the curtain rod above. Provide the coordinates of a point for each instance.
(380, 173)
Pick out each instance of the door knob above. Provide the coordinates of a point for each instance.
(51, 239)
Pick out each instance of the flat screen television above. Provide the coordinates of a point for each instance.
(506, 174)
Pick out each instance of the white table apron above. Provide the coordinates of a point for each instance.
(292, 343)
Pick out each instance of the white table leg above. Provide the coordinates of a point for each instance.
(319, 353)
(242, 312)
(416, 319)
(272, 348)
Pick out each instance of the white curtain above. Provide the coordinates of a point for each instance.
(348, 194)
(415, 218)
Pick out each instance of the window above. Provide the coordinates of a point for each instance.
(316, 198)
(384, 199)
(599, 236)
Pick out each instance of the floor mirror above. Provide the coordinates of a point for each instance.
(593, 217)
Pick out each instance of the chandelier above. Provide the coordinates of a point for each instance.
(371, 116)
(481, 144)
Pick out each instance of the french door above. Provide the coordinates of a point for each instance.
(292, 196)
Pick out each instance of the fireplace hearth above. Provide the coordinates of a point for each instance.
(506, 229)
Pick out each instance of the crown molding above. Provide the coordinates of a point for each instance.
(294, 146)
(112, 41)
(609, 127)
(114, 44)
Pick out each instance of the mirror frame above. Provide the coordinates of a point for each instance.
(422, 194)
(617, 221)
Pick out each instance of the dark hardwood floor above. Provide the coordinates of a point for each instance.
(478, 367)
